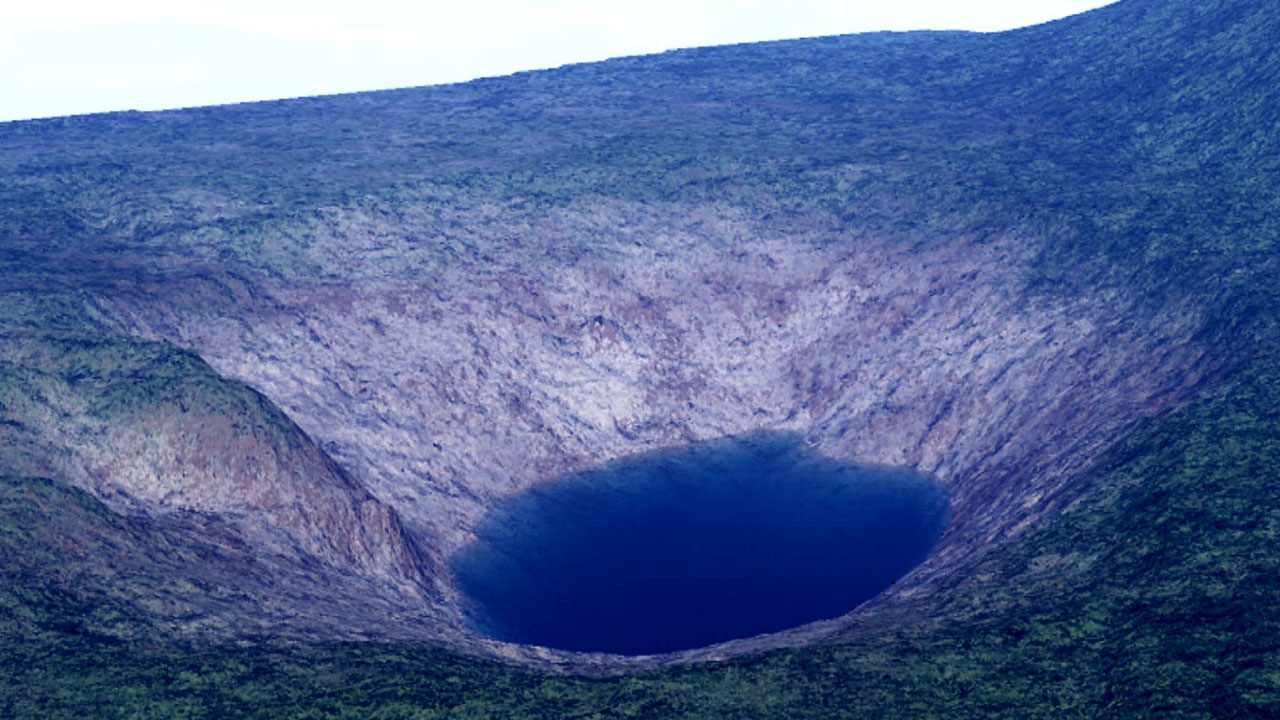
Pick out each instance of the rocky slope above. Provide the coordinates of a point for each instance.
(445, 394)
(239, 500)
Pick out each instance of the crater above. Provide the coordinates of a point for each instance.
(451, 393)
(686, 547)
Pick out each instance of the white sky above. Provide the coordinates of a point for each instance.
(65, 57)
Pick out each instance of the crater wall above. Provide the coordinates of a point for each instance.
(443, 385)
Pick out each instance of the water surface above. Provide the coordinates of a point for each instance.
(682, 548)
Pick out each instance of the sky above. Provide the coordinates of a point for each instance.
(68, 57)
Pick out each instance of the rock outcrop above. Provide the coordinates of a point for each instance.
(156, 435)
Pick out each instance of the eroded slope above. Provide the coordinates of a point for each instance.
(221, 515)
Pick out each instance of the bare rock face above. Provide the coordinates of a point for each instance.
(183, 444)
(295, 499)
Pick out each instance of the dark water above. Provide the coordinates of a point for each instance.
(683, 548)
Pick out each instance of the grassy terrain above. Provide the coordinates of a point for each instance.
(1142, 137)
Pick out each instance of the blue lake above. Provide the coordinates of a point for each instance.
(682, 548)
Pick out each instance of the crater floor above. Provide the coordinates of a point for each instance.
(677, 549)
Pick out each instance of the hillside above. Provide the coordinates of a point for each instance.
(264, 367)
